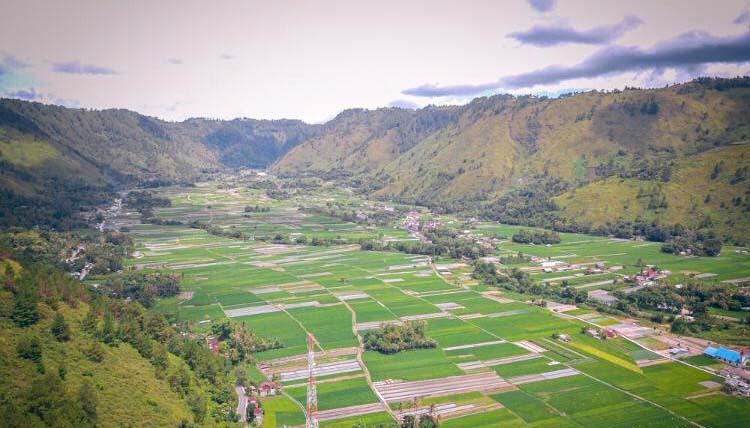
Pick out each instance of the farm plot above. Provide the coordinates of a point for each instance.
(395, 391)
(594, 404)
(338, 394)
(311, 289)
(331, 325)
(321, 370)
(410, 365)
(455, 332)
(370, 420)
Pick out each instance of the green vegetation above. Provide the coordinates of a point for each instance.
(396, 338)
(525, 236)
(252, 284)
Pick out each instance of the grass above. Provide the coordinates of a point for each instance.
(372, 420)
(280, 411)
(606, 356)
(337, 393)
(410, 365)
(27, 153)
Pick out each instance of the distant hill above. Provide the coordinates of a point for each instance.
(56, 158)
(579, 162)
(594, 158)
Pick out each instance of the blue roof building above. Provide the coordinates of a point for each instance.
(726, 355)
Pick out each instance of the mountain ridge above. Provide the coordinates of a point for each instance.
(461, 158)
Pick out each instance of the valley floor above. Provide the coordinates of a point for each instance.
(496, 364)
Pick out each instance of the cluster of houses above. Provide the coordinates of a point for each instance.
(648, 276)
(604, 333)
(266, 389)
(411, 223)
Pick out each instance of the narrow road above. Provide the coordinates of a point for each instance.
(241, 403)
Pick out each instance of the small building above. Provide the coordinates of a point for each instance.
(593, 333)
(258, 416)
(609, 333)
(268, 389)
(552, 263)
(564, 337)
(213, 344)
(677, 350)
(728, 356)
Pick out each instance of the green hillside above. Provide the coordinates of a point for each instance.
(578, 146)
(362, 141)
(84, 155)
(582, 160)
(72, 358)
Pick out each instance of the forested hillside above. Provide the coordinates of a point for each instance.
(84, 155)
(590, 160)
(71, 358)
(595, 161)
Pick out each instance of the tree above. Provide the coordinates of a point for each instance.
(87, 401)
(25, 311)
(94, 352)
(60, 328)
(712, 247)
(159, 357)
(108, 329)
(90, 322)
(679, 326)
(30, 348)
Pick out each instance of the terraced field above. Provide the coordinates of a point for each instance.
(496, 364)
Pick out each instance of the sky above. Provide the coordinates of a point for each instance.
(310, 60)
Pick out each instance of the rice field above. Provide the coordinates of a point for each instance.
(287, 291)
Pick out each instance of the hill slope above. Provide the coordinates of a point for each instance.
(499, 145)
(63, 367)
(81, 155)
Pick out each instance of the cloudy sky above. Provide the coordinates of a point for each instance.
(312, 59)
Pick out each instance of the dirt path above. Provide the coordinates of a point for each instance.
(365, 370)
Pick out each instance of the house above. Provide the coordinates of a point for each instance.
(593, 333)
(213, 344)
(552, 264)
(609, 332)
(563, 337)
(258, 416)
(728, 356)
(677, 350)
(267, 389)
